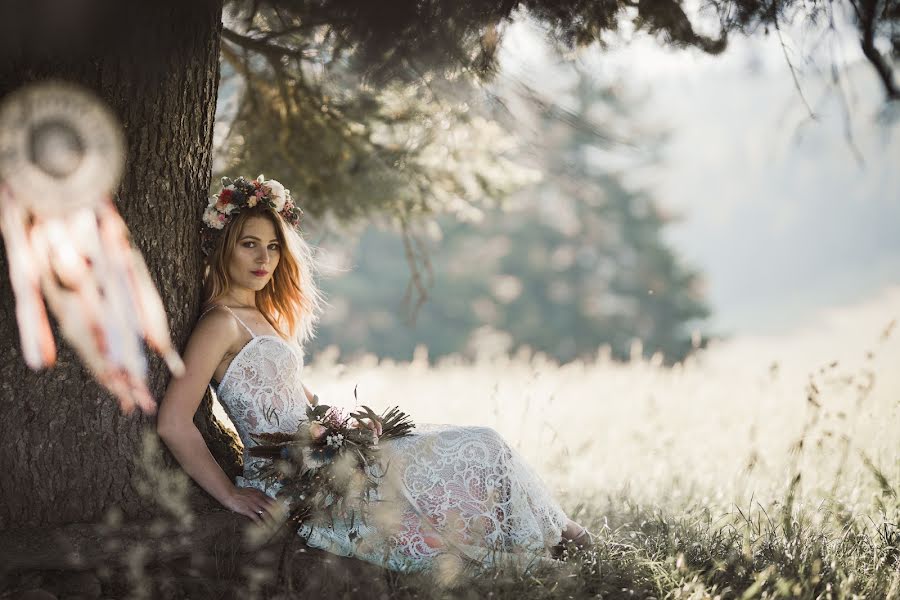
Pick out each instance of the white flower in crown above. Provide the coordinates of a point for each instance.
(211, 217)
(277, 194)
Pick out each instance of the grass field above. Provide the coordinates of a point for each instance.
(760, 468)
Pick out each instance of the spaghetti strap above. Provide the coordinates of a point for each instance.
(203, 314)
(250, 331)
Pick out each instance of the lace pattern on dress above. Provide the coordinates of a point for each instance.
(447, 490)
(261, 390)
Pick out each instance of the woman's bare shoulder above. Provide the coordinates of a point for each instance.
(216, 329)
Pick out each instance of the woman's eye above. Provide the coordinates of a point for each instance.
(274, 247)
(248, 244)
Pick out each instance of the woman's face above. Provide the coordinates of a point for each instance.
(256, 254)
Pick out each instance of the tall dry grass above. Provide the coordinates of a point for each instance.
(722, 425)
(760, 467)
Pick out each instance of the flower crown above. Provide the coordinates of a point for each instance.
(241, 193)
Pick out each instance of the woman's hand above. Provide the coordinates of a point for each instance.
(251, 503)
(374, 425)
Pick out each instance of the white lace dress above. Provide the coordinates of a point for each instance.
(449, 492)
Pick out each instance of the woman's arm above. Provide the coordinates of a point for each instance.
(209, 342)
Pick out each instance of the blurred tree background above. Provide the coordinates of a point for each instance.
(569, 263)
(456, 226)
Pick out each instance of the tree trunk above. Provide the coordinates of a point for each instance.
(66, 452)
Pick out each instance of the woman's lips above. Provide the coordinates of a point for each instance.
(260, 273)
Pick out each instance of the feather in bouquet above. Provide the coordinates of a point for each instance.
(324, 467)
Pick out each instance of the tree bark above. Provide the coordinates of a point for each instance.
(83, 546)
(66, 452)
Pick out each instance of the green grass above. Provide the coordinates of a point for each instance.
(785, 550)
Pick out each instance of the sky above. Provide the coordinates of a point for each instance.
(783, 215)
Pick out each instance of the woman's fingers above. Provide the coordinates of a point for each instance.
(261, 497)
(256, 505)
(264, 506)
(251, 514)
(259, 514)
(374, 425)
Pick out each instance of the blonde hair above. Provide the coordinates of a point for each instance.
(291, 301)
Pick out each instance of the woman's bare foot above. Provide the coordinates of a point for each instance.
(575, 537)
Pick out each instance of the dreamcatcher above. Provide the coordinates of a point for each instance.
(61, 156)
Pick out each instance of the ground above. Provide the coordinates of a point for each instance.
(760, 468)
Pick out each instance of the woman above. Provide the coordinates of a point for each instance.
(448, 491)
